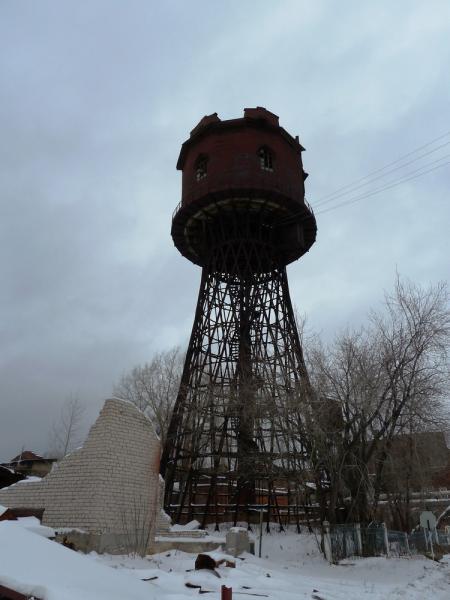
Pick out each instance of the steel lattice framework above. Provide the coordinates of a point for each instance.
(233, 436)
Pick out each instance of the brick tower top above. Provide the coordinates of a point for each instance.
(250, 164)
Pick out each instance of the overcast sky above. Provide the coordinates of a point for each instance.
(96, 99)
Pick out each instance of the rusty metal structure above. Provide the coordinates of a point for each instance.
(234, 440)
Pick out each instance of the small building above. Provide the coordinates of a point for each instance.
(30, 464)
(415, 478)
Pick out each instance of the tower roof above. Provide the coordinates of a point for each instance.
(258, 117)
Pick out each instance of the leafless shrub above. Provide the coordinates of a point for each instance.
(138, 522)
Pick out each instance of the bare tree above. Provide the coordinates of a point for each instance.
(67, 430)
(153, 388)
(387, 379)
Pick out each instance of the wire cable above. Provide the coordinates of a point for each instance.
(415, 175)
(372, 179)
(379, 170)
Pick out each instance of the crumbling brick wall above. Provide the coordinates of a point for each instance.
(106, 486)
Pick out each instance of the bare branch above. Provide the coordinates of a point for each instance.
(153, 388)
(67, 430)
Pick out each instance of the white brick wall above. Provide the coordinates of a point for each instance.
(109, 485)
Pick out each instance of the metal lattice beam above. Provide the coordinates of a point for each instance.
(233, 438)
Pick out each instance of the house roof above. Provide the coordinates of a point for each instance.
(27, 455)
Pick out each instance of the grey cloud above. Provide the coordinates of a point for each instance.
(96, 99)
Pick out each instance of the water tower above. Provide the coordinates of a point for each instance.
(233, 442)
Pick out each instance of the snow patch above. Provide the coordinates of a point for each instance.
(33, 565)
(191, 526)
(30, 479)
(34, 525)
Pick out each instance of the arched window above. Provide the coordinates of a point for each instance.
(201, 167)
(265, 159)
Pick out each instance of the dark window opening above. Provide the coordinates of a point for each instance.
(201, 168)
(265, 159)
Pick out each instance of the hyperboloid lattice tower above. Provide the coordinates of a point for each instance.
(234, 440)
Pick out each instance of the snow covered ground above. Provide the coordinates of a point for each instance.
(291, 568)
(36, 566)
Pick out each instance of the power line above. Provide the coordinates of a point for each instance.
(394, 183)
(381, 176)
(415, 175)
(394, 162)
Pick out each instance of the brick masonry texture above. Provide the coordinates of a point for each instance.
(110, 485)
